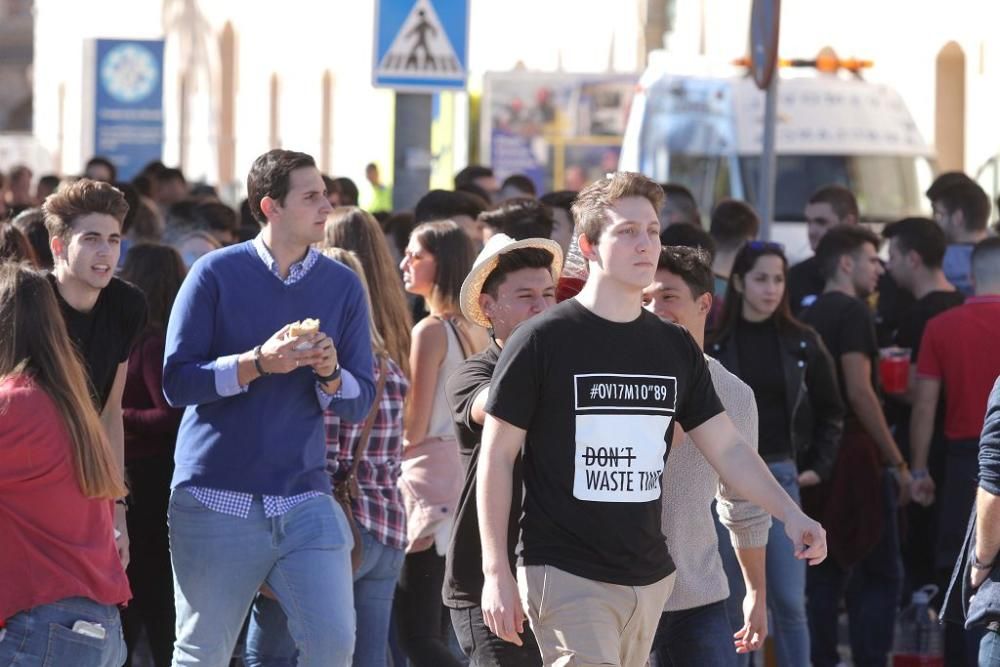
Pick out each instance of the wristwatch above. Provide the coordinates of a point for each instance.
(979, 565)
(327, 379)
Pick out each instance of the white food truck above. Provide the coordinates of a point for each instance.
(705, 131)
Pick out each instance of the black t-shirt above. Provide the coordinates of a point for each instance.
(598, 400)
(805, 284)
(914, 321)
(846, 325)
(758, 347)
(463, 579)
(105, 335)
(908, 334)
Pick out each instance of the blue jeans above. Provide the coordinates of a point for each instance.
(699, 636)
(989, 649)
(786, 582)
(871, 589)
(270, 645)
(220, 562)
(45, 636)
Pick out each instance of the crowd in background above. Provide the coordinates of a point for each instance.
(890, 471)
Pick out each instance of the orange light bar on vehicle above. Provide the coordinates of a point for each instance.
(824, 63)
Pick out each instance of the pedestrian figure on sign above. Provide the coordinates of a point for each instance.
(421, 30)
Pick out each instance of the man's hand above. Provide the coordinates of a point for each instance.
(808, 537)
(325, 354)
(502, 610)
(808, 478)
(754, 631)
(121, 541)
(905, 481)
(922, 488)
(279, 354)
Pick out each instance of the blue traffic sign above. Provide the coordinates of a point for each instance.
(421, 45)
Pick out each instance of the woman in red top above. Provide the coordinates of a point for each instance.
(60, 574)
(150, 435)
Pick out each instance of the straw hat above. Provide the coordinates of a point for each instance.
(500, 244)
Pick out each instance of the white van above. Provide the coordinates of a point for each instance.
(705, 132)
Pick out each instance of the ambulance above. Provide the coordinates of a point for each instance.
(704, 130)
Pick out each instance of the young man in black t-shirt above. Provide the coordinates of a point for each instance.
(511, 282)
(858, 505)
(590, 390)
(104, 315)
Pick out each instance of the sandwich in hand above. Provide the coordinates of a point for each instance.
(301, 328)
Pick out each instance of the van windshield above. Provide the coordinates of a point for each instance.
(887, 187)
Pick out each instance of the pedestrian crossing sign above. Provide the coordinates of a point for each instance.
(421, 45)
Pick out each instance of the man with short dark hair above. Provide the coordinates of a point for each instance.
(561, 201)
(859, 502)
(960, 359)
(517, 185)
(461, 207)
(99, 168)
(963, 211)
(47, 184)
(480, 176)
(679, 206)
(916, 250)
(264, 336)
(694, 628)
(734, 223)
(518, 218)
(171, 187)
(19, 190)
(826, 208)
(590, 390)
(511, 282)
(104, 315)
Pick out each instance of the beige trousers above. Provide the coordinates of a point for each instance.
(580, 622)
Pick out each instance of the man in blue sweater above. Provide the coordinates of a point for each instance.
(251, 501)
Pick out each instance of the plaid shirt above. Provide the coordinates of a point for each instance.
(380, 506)
(236, 503)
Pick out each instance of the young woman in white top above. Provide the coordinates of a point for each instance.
(437, 259)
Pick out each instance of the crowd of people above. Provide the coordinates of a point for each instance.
(498, 429)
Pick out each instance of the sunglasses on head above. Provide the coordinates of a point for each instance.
(760, 246)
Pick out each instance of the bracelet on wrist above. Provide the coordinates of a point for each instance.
(256, 362)
(919, 474)
(327, 379)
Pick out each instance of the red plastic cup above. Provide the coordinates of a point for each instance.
(894, 369)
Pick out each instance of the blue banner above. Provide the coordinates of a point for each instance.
(128, 103)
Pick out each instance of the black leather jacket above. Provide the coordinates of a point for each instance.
(812, 397)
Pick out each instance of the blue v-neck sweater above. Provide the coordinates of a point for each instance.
(269, 439)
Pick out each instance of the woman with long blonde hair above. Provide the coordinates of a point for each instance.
(60, 574)
(354, 229)
(437, 259)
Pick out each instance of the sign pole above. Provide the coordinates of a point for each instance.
(421, 47)
(412, 149)
(767, 161)
(765, 22)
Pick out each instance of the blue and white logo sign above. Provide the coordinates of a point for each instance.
(130, 72)
(128, 102)
(421, 45)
